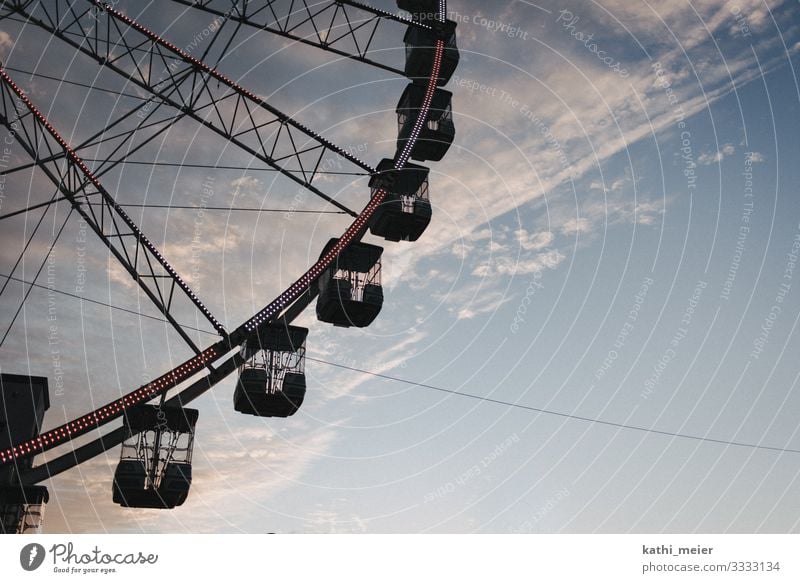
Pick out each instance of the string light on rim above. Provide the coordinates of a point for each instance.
(289, 298)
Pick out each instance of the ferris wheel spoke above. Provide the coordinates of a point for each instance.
(198, 91)
(284, 308)
(347, 29)
(151, 130)
(140, 258)
(186, 395)
(124, 143)
(27, 292)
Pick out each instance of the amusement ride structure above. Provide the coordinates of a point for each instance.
(152, 423)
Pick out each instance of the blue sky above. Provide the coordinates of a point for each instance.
(609, 242)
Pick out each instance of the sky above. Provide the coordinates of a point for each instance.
(596, 334)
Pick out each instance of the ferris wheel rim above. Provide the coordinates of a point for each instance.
(282, 304)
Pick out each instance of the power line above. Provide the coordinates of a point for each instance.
(46, 203)
(78, 83)
(560, 414)
(166, 164)
(182, 207)
(35, 277)
(458, 393)
(224, 167)
(27, 244)
(237, 208)
(188, 165)
(104, 304)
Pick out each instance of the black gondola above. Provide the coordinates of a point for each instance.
(436, 134)
(272, 382)
(22, 509)
(155, 469)
(420, 9)
(421, 52)
(405, 212)
(350, 289)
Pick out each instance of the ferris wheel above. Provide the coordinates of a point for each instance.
(152, 422)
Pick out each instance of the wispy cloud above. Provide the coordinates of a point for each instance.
(708, 158)
(6, 43)
(535, 151)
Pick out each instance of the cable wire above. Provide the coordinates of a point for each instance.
(225, 167)
(561, 414)
(181, 207)
(104, 304)
(35, 277)
(451, 391)
(78, 83)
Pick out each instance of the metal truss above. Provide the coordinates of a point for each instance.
(118, 138)
(194, 88)
(348, 29)
(81, 187)
(285, 307)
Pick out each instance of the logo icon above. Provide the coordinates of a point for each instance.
(31, 556)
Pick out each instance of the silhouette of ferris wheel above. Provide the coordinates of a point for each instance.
(266, 351)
